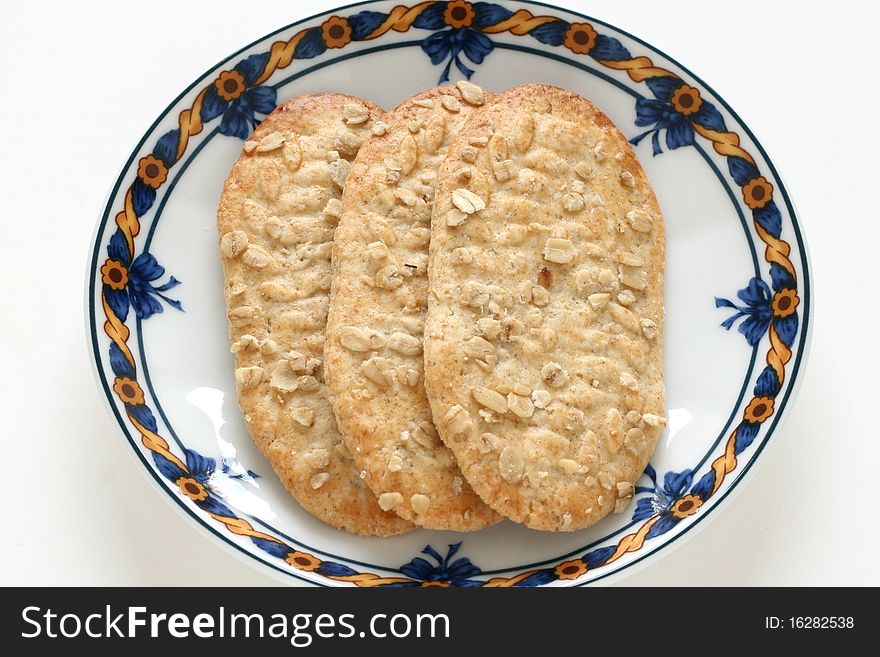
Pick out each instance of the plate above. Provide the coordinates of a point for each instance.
(737, 296)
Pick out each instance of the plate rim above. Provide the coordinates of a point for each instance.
(788, 398)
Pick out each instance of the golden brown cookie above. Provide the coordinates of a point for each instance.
(377, 310)
(276, 219)
(543, 339)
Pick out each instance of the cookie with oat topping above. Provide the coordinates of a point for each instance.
(378, 301)
(276, 218)
(544, 333)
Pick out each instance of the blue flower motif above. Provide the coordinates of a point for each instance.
(450, 44)
(456, 573)
(670, 502)
(234, 96)
(197, 481)
(675, 484)
(194, 482)
(758, 310)
(130, 283)
(200, 467)
(463, 20)
(675, 108)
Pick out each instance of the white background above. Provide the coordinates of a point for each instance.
(80, 84)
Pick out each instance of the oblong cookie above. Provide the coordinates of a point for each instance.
(276, 219)
(378, 302)
(543, 340)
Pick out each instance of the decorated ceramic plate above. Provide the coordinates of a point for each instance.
(737, 295)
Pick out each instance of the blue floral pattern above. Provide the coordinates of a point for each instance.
(462, 38)
(661, 497)
(671, 502)
(757, 312)
(456, 573)
(666, 112)
(200, 469)
(139, 292)
(233, 96)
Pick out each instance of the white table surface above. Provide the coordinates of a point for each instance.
(80, 85)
